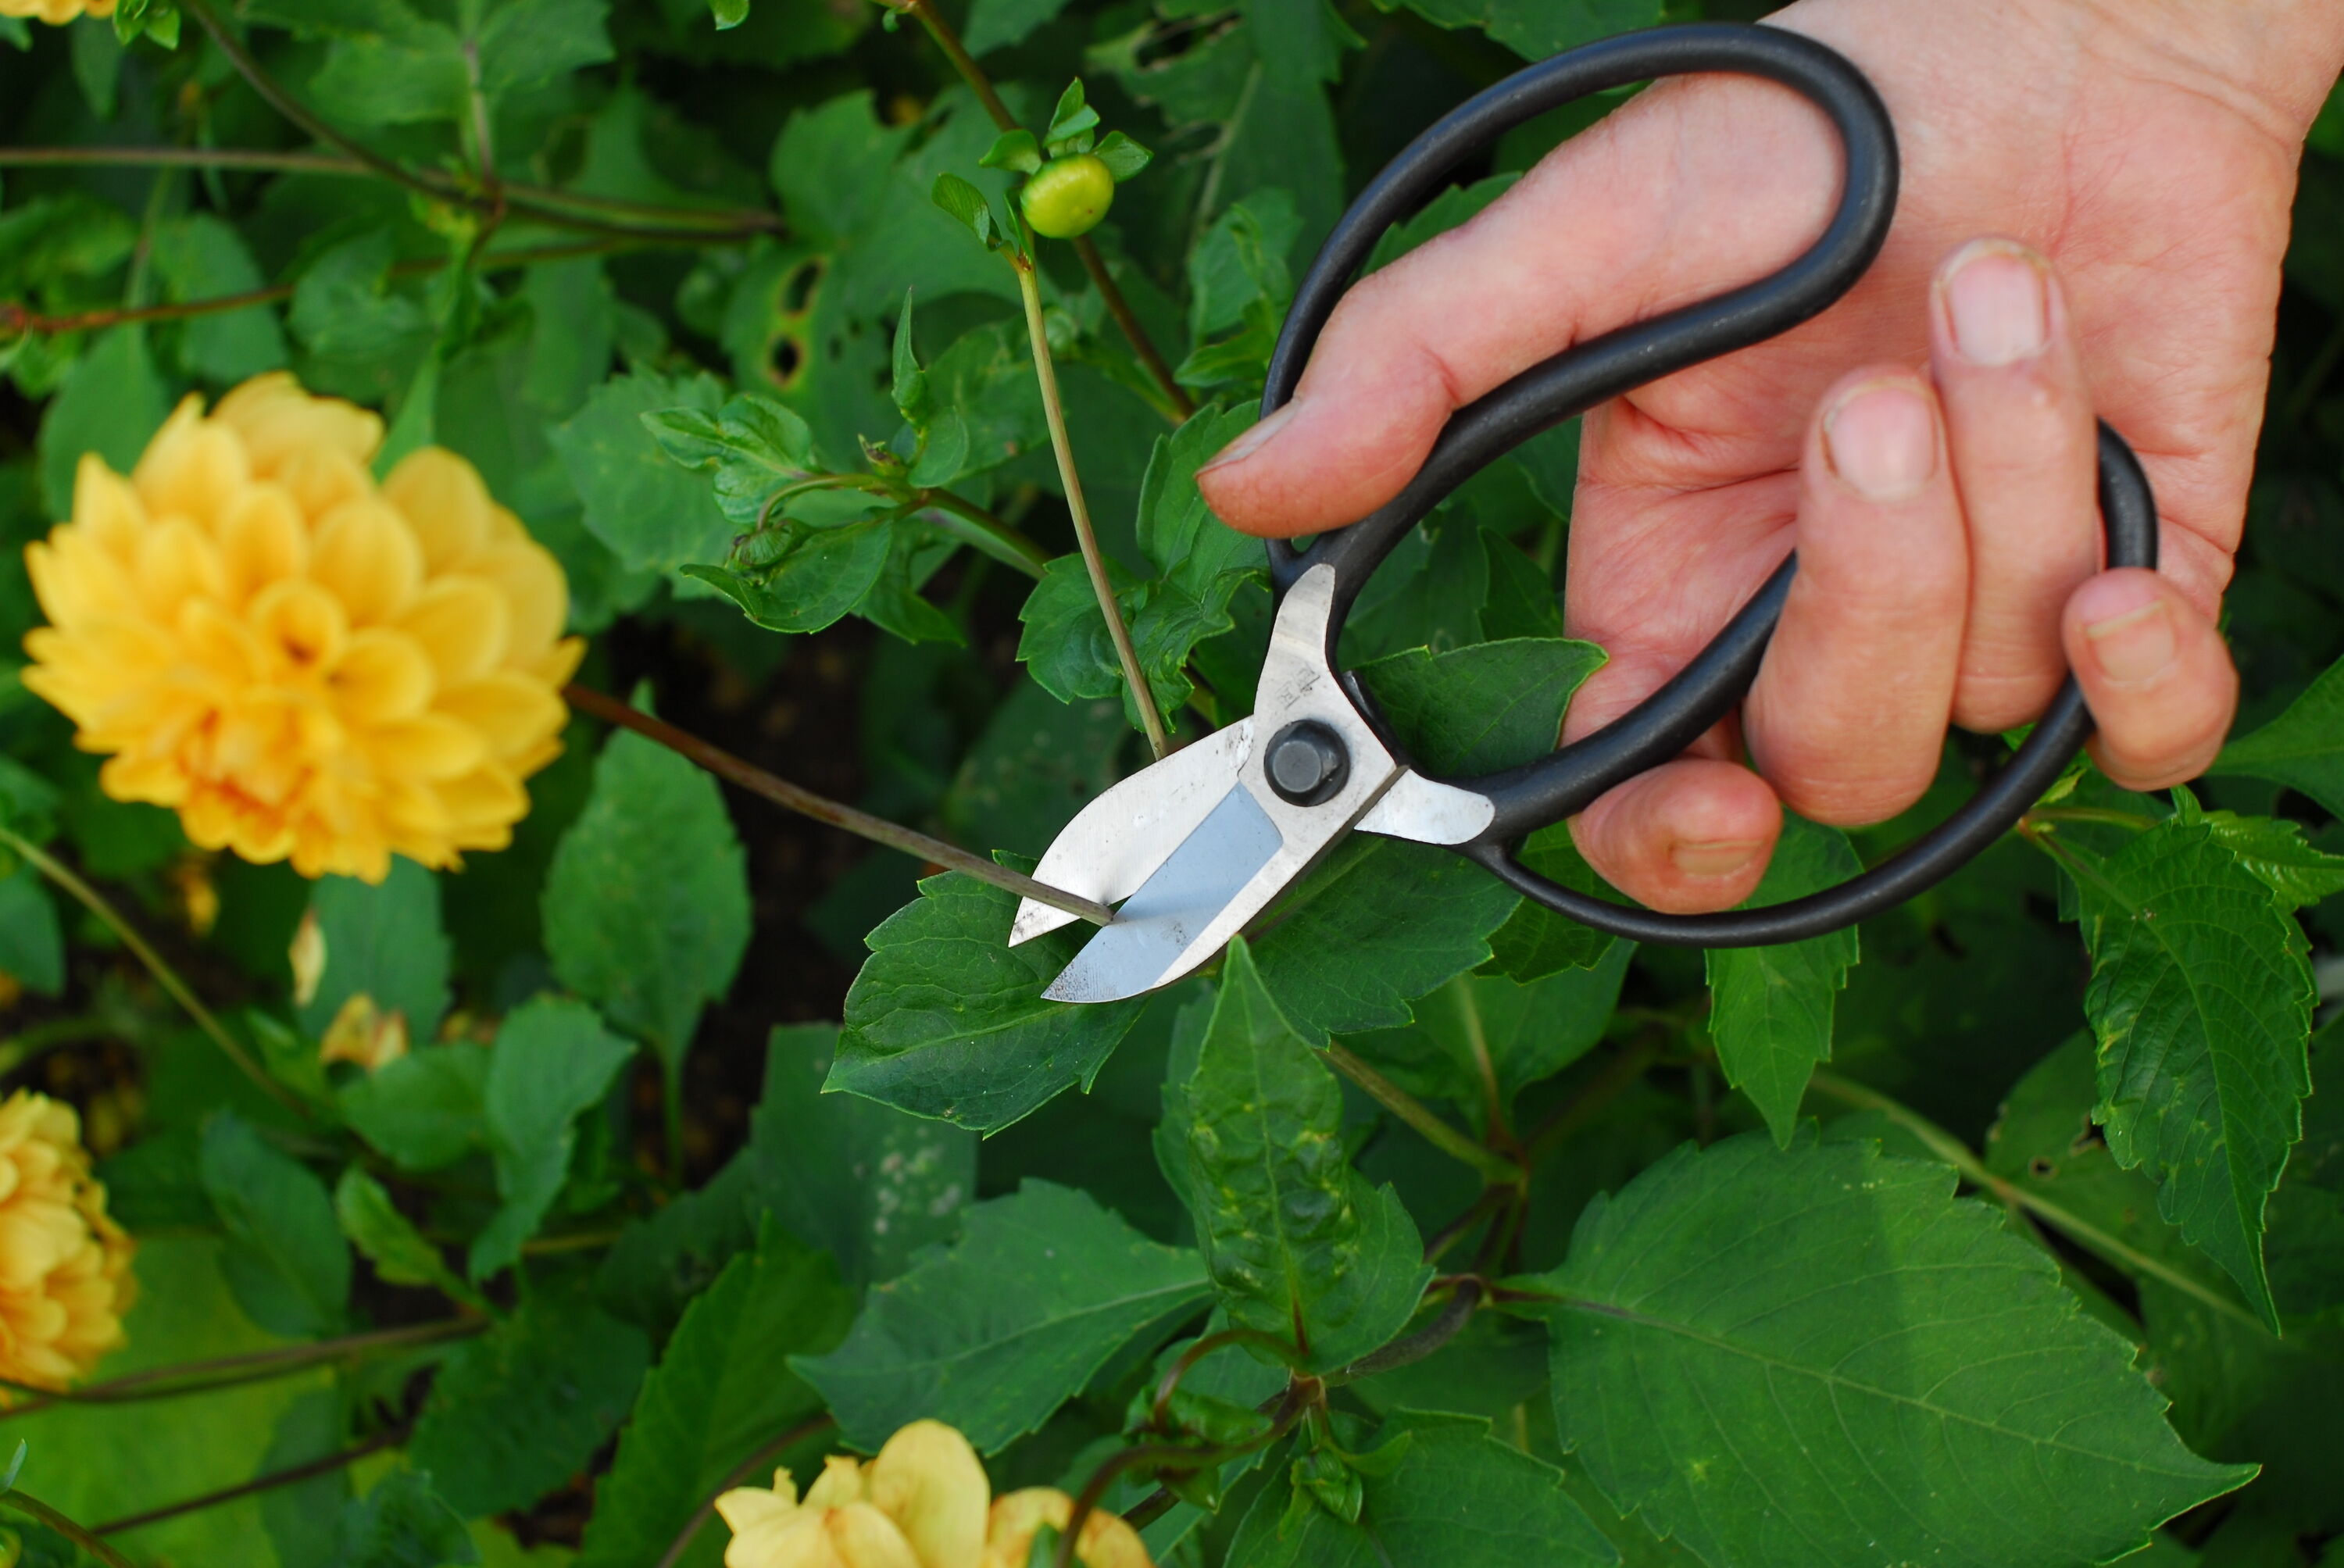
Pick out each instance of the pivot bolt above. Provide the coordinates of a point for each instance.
(1306, 763)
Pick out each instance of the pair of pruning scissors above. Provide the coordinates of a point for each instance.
(1194, 847)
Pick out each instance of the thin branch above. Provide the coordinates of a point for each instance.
(926, 12)
(741, 1472)
(257, 160)
(1496, 1166)
(1957, 1154)
(794, 797)
(438, 187)
(1424, 1341)
(14, 317)
(2136, 821)
(289, 1476)
(65, 1527)
(1143, 695)
(165, 975)
(255, 1366)
(980, 529)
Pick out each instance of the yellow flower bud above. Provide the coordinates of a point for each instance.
(365, 1034)
(832, 1527)
(64, 1266)
(1106, 1542)
(306, 954)
(303, 664)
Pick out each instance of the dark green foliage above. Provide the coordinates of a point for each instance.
(721, 1146)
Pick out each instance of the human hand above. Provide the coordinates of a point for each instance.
(1945, 523)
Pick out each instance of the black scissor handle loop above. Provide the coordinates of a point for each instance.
(1554, 786)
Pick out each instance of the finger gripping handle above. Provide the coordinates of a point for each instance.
(1615, 363)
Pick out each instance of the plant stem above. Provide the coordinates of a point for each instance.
(256, 160)
(1143, 695)
(1424, 1341)
(544, 208)
(782, 793)
(979, 528)
(14, 317)
(1469, 1017)
(1973, 1169)
(257, 1366)
(2092, 813)
(65, 1527)
(741, 1472)
(1422, 1117)
(1176, 394)
(274, 1479)
(165, 975)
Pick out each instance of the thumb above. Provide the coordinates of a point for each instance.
(1694, 188)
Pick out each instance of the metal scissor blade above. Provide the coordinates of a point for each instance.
(1160, 933)
(1117, 842)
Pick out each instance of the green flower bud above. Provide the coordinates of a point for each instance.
(1068, 196)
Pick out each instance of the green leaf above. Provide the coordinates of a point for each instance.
(2201, 999)
(1479, 709)
(754, 446)
(1072, 117)
(866, 1183)
(401, 1524)
(389, 1240)
(1123, 156)
(651, 513)
(1524, 1033)
(722, 1389)
(526, 42)
(2305, 1243)
(986, 378)
(383, 940)
(997, 1332)
(966, 205)
(552, 1060)
(1297, 1242)
(2303, 748)
(1535, 942)
(947, 1020)
(1037, 763)
(286, 1261)
(1522, 601)
(1014, 149)
(365, 339)
(1188, 546)
(202, 257)
(1458, 1496)
(424, 1108)
(824, 574)
(521, 1409)
(1818, 1355)
(1537, 29)
(112, 401)
(32, 943)
(646, 906)
(2044, 1143)
(2272, 850)
(997, 23)
(1771, 1008)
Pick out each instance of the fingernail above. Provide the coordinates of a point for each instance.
(1882, 441)
(1254, 439)
(1716, 857)
(1995, 300)
(2136, 645)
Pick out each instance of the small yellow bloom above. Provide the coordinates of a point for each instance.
(306, 954)
(64, 1266)
(56, 12)
(1106, 1542)
(365, 1034)
(919, 1503)
(304, 663)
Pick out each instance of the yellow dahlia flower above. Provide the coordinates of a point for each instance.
(920, 1503)
(64, 1266)
(303, 664)
(56, 12)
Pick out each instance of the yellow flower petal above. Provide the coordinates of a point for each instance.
(840, 1484)
(462, 624)
(192, 468)
(263, 539)
(431, 746)
(366, 557)
(1107, 1540)
(926, 1478)
(302, 623)
(513, 714)
(380, 676)
(445, 503)
(107, 510)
